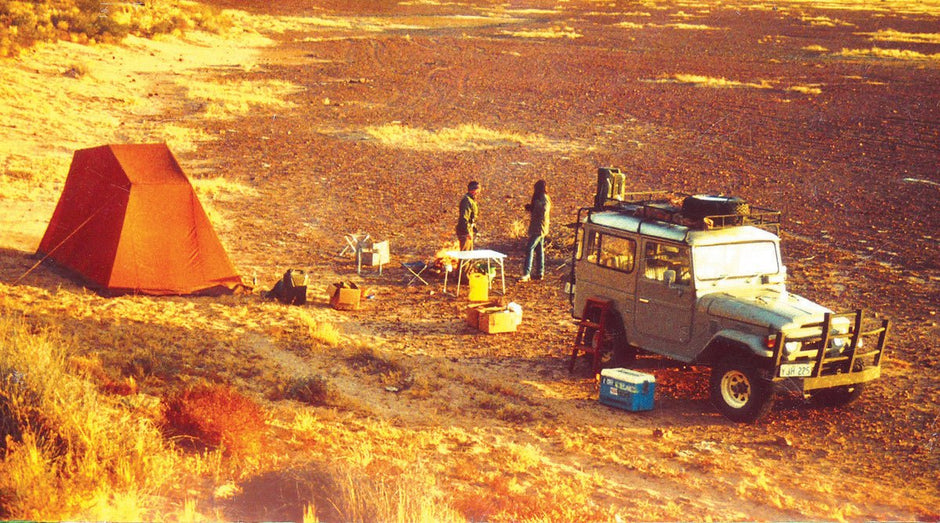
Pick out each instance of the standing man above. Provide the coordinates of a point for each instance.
(467, 217)
(540, 209)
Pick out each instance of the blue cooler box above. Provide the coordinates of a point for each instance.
(627, 389)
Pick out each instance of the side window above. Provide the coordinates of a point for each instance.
(579, 243)
(617, 253)
(608, 251)
(661, 257)
(587, 245)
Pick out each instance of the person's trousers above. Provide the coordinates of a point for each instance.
(535, 255)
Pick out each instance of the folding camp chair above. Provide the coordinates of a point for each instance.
(415, 268)
(356, 243)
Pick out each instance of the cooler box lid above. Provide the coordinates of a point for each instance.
(629, 376)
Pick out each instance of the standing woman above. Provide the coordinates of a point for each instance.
(539, 209)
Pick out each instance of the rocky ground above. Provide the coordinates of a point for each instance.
(398, 106)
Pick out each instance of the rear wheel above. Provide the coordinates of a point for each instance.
(738, 391)
(621, 352)
(625, 354)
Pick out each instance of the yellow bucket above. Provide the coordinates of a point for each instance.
(479, 287)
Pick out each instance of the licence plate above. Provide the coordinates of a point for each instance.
(796, 370)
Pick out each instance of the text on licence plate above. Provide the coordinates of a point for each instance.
(796, 370)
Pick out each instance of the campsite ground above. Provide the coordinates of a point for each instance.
(327, 117)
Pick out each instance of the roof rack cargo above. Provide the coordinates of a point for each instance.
(700, 212)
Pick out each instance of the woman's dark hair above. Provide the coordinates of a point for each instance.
(539, 188)
(537, 193)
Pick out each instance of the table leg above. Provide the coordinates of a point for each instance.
(459, 272)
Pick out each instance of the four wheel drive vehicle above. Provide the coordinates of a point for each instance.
(700, 280)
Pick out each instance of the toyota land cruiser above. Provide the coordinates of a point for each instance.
(700, 279)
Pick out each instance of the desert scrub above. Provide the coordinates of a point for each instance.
(373, 361)
(351, 493)
(70, 451)
(312, 390)
(23, 24)
(215, 416)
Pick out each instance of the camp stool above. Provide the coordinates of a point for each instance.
(415, 268)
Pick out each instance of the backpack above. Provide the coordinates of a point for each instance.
(291, 289)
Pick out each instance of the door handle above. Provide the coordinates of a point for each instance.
(643, 300)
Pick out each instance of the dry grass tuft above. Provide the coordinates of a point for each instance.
(228, 98)
(551, 32)
(70, 451)
(518, 229)
(379, 494)
(674, 25)
(214, 415)
(326, 333)
(466, 137)
(891, 54)
(805, 89)
(890, 35)
(312, 390)
(691, 27)
(707, 81)
(822, 21)
(373, 361)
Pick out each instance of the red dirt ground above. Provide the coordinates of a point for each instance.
(852, 168)
(845, 146)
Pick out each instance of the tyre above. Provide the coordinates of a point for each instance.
(738, 391)
(837, 396)
(702, 205)
(625, 354)
(621, 352)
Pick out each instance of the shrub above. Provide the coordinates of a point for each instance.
(312, 390)
(67, 447)
(373, 361)
(212, 415)
(23, 24)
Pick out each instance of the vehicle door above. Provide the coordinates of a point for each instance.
(665, 299)
(606, 267)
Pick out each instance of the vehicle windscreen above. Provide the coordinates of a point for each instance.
(735, 260)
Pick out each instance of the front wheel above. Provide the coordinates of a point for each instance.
(738, 391)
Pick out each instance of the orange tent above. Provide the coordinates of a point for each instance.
(128, 221)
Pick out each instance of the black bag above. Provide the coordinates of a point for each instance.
(291, 289)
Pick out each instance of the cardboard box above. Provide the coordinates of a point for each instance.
(345, 296)
(473, 311)
(627, 389)
(492, 322)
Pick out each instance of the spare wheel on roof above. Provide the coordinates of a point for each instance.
(701, 205)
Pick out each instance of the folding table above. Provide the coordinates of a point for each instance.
(491, 257)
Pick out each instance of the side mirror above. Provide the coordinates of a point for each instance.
(669, 276)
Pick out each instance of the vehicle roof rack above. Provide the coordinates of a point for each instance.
(666, 206)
